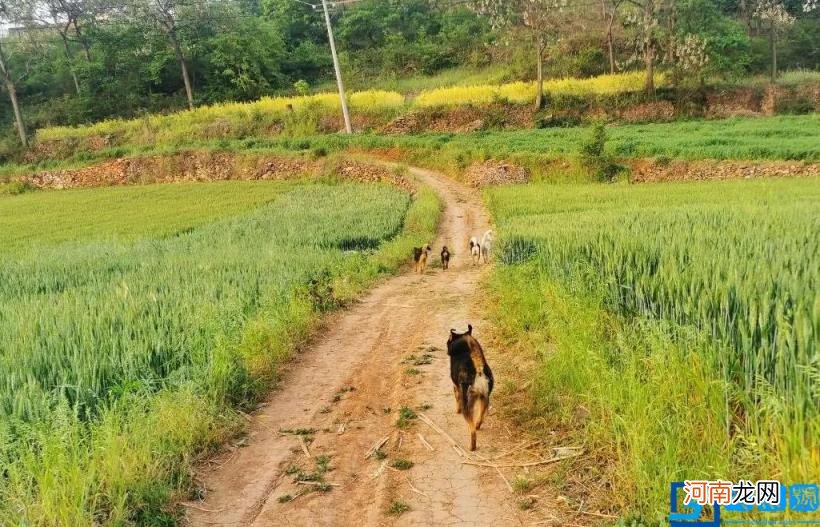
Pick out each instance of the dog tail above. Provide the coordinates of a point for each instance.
(481, 385)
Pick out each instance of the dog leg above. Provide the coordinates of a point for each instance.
(471, 425)
(480, 409)
(458, 399)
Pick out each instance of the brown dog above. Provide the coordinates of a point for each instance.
(472, 379)
(445, 258)
(420, 257)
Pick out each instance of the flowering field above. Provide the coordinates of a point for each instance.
(248, 115)
(300, 116)
(524, 92)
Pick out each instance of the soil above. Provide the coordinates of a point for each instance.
(344, 394)
(490, 173)
(212, 166)
(648, 170)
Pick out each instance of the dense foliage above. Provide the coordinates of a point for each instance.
(76, 61)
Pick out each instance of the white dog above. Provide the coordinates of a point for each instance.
(487, 245)
(475, 250)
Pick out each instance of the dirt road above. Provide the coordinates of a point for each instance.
(346, 392)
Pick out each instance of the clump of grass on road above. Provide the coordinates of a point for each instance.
(406, 416)
(402, 464)
(397, 508)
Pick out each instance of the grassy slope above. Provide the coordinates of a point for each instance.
(461, 76)
(781, 137)
(125, 213)
(764, 138)
(608, 305)
(99, 425)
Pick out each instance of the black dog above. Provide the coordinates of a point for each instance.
(445, 258)
(472, 379)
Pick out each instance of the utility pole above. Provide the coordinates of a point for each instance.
(345, 113)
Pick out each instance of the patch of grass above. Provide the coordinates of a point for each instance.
(323, 463)
(522, 484)
(284, 498)
(402, 464)
(298, 431)
(100, 425)
(419, 360)
(324, 486)
(613, 290)
(126, 213)
(527, 503)
(397, 508)
(406, 417)
(16, 187)
(379, 454)
(412, 371)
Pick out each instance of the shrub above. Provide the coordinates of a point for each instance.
(301, 87)
(17, 187)
(594, 157)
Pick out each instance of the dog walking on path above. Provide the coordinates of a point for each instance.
(472, 379)
(420, 255)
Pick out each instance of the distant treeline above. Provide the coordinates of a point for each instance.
(77, 61)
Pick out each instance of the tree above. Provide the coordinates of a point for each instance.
(163, 14)
(646, 21)
(721, 36)
(6, 17)
(243, 63)
(775, 19)
(609, 10)
(62, 16)
(539, 20)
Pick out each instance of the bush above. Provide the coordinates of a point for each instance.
(17, 187)
(594, 157)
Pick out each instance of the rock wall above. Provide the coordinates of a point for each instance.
(212, 166)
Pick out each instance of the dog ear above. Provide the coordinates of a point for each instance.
(469, 329)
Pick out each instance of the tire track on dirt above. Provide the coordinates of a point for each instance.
(366, 348)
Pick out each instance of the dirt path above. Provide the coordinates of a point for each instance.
(345, 393)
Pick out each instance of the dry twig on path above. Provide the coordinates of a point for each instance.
(529, 464)
(304, 446)
(424, 442)
(376, 446)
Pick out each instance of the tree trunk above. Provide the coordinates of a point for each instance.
(539, 93)
(744, 15)
(70, 60)
(183, 66)
(773, 41)
(82, 39)
(610, 45)
(649, 46)
(670, 51)
(649, 58)
(18, 115)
